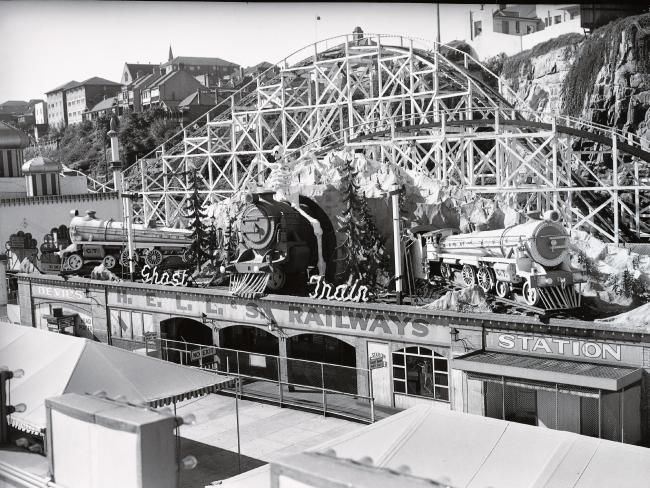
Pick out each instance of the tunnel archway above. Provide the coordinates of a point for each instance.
(338, 358)
(179, 331)
(255, 351)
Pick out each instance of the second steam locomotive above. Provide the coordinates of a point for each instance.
(531, 260)
(105, 241)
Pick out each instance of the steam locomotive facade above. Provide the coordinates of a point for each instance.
(278, 243)
(531, 259)
(105, 241)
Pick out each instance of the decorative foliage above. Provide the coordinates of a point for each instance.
(199, 250)
(362, 253)
(626, 285)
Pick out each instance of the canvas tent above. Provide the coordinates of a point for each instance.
(55, 364)
(470, 451)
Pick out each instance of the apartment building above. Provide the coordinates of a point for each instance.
(85, 95)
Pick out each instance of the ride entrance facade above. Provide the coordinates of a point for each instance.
(363, 360)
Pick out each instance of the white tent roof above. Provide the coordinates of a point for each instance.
(55, 364)
(470, 451)
(474, 452)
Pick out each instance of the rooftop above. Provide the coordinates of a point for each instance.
(199, 61)
(65, 86)
(104, 104)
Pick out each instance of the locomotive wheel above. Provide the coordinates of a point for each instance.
(445, 271)
(485, 278)
(469, 275)
(502, 289)
(153, 258)
(74, 262)
(124, 257)
(186, 257)
(530, 294)
(277, 279)
(109, 261)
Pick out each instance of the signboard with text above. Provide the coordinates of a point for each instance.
(60, 293)
(360, 322)
(568, 348)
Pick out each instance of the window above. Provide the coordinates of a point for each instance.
(478, 27)
(557, 19)
(506, 27)
(517, 27)
(546, 21)
(419, 371)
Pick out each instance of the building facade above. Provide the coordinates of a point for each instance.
(566, 375)
(513, 28)
(57, 107)
(85, 95)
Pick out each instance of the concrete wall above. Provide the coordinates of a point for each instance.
(490, 43)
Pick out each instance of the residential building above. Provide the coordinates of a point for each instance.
(57, 111)
(133, 71)
(198, 66)
(195, 105)
(40, 112)
(12, 109)
(512, 28)
(104, 108)
(168, 90)
(85, 95)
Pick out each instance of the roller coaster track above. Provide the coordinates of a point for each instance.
(422, 107)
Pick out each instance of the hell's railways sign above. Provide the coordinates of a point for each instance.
(362, 322)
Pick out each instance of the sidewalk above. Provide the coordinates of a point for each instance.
(267, 432)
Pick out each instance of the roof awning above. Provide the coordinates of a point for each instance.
(55, 364)
(587, 375)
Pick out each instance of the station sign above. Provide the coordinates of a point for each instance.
(565, 347)
(317, 318)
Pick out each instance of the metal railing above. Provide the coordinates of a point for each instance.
(330, 389)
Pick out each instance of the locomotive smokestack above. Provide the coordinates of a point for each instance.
(552, 215)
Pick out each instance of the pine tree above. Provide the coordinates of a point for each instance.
(362, 252)
(200, 234)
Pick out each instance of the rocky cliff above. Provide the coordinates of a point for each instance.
(603, 77)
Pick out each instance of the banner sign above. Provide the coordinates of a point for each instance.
(565, 348)
(369, 323)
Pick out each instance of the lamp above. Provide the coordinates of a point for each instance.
(454, 334)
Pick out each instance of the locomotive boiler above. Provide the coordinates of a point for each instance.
(530, 259)
(105, 241)
(280, 242)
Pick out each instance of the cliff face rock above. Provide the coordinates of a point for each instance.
(604, 77)
(537, 76)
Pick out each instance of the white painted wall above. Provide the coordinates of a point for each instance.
(490, 44)
(73, 185)
(39, 216)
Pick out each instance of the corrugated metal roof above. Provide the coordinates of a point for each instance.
(591, 375)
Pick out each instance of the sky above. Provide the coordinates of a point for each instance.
(46, 44)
